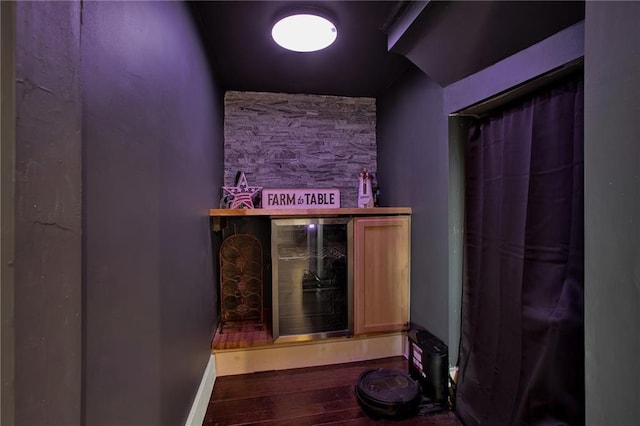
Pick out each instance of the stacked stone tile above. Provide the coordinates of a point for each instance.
(299, 140)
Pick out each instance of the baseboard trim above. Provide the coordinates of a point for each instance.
(201, 401)
(277, 357)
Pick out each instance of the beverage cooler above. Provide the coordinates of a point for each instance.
(312, 278)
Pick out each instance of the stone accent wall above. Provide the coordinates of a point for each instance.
(299, 141)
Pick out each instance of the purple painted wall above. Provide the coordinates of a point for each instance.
(413, 171)
(153, 135)
(48, 224)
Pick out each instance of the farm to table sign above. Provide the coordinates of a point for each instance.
(307, 198)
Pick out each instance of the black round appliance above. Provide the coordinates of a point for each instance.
(387, 393)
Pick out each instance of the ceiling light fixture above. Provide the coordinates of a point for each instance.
(304, 32)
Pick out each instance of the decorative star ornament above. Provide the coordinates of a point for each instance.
(242, 194)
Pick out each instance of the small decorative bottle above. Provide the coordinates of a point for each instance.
(365, 196)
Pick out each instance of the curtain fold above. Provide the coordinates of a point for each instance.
(522, 352)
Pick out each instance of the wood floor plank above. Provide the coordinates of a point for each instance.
(309, 401)
(295, 380)
(447, 419)
(307, 405)
(327, 418)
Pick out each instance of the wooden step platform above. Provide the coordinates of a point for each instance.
(250, 351)
(241, 338)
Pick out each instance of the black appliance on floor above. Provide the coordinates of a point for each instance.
(429, 365)
(393, 394)
(387, 393)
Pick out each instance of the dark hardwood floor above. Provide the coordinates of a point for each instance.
(303, 396)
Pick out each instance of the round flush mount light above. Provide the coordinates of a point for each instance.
(304, 32)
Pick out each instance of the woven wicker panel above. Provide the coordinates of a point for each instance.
(241, 281)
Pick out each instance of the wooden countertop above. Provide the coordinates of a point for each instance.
(375, 211)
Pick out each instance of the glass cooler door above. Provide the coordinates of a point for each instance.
(311, 278)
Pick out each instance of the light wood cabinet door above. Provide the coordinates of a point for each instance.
(381, 273)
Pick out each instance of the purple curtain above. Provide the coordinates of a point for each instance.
(522, 340)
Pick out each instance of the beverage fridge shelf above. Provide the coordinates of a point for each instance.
(303, 253)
